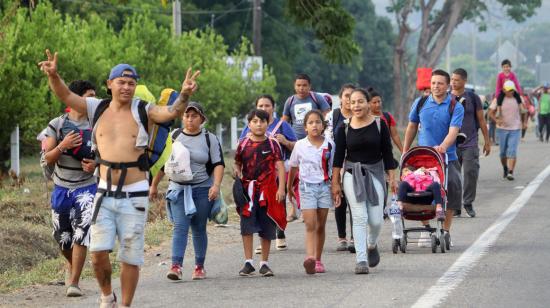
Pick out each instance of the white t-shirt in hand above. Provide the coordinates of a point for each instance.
(315, 163)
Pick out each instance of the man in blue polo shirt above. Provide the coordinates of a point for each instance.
(440, 124)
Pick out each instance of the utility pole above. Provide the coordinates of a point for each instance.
(448, 56)
(474, 56)
(257, 27)
(176, 17)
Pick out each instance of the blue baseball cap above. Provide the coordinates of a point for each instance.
(121, 70)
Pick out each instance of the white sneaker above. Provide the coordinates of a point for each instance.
(280, 244)
(108, 302)
(424, 240)
(258, 250)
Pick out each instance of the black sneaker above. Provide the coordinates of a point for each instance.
(351, 247)
(247, 270)
(505, 169)
(361, 268)
(266, 271)
(457, 213)
(373, 256)
(470, 210)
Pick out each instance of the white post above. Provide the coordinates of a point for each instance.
(176, 17)
(219, 133)
(234, 136)
(15, 150)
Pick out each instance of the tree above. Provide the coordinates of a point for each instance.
(438, 21)
(89, 48)
(331, 24)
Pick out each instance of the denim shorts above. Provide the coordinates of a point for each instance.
(125, 219)
(508, 142)
(315, 196)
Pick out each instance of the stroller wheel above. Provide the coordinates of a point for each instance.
(395, 245)
(403, 244)
(442, 243)
(448, 243)
(434, 242)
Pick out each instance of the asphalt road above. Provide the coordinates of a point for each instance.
(512, 271)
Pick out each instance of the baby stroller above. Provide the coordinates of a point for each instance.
(419, 206)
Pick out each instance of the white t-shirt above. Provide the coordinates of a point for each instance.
(315, 163)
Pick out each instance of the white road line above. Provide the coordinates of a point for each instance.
(458, 271)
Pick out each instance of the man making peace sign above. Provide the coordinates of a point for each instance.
(120, 137)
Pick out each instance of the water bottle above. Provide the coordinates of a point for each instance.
(395, 217)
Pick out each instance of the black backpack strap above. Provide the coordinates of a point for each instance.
(176, 134)
(336, 115)
(143, 115)
(103, 105)
(420, 104)
(207, 136)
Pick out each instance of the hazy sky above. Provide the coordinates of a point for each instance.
(497, 21)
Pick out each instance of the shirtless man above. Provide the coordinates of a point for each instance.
(119, 138)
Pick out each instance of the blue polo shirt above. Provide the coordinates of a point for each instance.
(435, 121)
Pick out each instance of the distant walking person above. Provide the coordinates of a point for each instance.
(508, 128)
(468, 151)
(543, 96)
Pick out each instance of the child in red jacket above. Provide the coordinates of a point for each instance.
(259, 164)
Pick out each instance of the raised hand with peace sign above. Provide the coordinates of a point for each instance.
(49, 67)
(189, 85)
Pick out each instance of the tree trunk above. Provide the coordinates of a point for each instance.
(433, 39)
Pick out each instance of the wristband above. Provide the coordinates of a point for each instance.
(59, 149)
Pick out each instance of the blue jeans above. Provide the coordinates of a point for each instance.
(176, 214)
(509, 142)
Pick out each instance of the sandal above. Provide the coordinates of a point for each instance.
(291, 218)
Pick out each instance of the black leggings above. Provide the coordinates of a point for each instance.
(544, 120)
(340, 216)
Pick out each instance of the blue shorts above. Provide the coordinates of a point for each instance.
(315, 196)
(508, 142)
(72, 215)
(123, 218)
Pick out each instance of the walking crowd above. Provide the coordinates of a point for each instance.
(312, 159)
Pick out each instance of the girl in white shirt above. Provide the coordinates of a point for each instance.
(313, 155)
